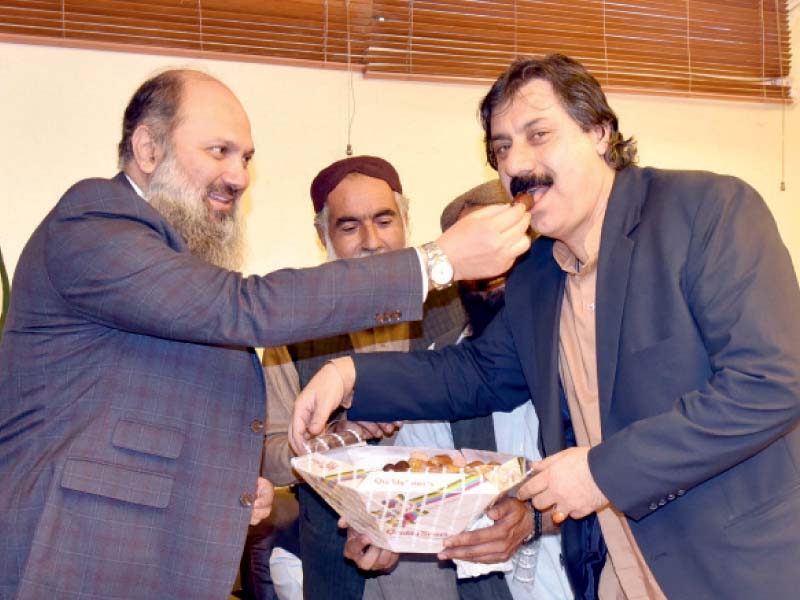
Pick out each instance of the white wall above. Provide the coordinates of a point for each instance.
(60, 114)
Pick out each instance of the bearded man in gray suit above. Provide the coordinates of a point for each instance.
(131, 401)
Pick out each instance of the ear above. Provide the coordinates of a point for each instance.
(320, 235)
(602, 135)
(147, 152)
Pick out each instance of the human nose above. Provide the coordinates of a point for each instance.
(236, 175)
(371, 240)
(520, 161)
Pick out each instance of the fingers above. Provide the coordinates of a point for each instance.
(364, 429)
(495, 543)
(376, 430)
(497, 547)
(390, 428)
(367, 556)
(314, 405)
(534, 486)
(262, 505)
(502, 216)
(301, 427)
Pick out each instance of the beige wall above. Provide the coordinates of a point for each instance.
(60, 112)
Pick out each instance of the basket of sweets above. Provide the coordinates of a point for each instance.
(408, 499)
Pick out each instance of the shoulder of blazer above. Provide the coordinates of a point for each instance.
(112, 198)
(663, 196)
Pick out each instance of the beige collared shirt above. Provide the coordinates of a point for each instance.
(625, 576)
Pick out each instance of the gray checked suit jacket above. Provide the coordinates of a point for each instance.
(131, 401)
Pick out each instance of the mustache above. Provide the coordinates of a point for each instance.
(523, 183)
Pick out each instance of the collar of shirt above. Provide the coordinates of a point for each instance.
(567, 260)
(135, 187)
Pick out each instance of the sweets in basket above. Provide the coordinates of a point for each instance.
(408, 499)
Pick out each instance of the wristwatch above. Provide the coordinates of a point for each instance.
(440, 271)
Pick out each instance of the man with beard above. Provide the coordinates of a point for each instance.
(131, 400)
(529, 538)
(658, 312)
(360, 210)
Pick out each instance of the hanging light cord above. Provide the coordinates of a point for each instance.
(783, 98)
(351, 93)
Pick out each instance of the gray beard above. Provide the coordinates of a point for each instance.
(216, 237)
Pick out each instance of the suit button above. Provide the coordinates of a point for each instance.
(256, 425)
(670, 497)
(246, 499)
(653, 506)
(380, 317)
(680, 492)
(662, 502)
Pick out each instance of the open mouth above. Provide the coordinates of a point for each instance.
(530, 189)
(531, 196)
(220, 202)
(537, 192)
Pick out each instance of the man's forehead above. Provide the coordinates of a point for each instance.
(212, 108)
(362, 195)
(535, 98)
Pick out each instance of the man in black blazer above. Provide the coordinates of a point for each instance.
(131, 400)
(657, 316)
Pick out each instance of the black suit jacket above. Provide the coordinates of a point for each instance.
(698, 353)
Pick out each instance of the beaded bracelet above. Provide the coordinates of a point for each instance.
(536, 517)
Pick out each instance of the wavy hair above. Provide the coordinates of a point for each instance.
(579, 93)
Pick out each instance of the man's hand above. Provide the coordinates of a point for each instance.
(497, 543)
(262, 505)
(329, 388)
(485, 242)
(563, 481)
(366, 429)
(360, 550)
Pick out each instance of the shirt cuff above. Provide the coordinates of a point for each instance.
(423, 266)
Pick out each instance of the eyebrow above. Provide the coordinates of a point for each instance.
(532, 123)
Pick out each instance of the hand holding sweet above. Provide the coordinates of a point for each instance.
(484, 243)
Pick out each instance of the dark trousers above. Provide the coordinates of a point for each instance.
(280, 529)
(327, 574)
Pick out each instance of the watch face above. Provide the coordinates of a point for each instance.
(442, 273)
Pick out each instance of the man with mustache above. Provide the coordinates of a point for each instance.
(360, 210)
(655, 319)
(131, 399)
(521, 547)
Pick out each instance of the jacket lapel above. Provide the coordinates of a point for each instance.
(616, 249)
(535, 302)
